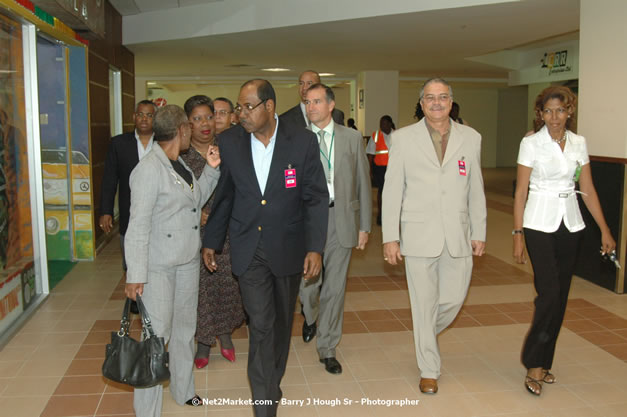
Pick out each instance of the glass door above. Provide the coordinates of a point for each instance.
(55, 158)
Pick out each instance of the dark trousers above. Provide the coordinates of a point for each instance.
(269, 302)
(378, 175)
(553, 257)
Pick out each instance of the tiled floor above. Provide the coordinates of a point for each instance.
(52, 366)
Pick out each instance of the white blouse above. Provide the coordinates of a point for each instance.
(552, 196)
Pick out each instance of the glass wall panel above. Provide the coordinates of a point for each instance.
(17, 276)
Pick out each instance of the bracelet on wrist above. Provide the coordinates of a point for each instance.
(517, 232)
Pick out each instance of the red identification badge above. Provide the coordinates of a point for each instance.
(290, 178)
(462, 167)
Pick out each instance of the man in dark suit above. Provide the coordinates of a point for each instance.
(273, 197)
(124, 153)
(297, 115)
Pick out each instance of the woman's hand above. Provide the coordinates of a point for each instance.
(519, 249)
(213, 156)
(607, 242)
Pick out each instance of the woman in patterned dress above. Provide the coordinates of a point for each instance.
(220, 308)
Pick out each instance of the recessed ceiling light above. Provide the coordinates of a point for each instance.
(326, 74)
(151, 83)
(276, 69)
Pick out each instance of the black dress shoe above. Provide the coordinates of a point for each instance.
(309, 331)
(332, 365)
(195, 401)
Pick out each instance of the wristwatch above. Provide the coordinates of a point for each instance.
(517, 231)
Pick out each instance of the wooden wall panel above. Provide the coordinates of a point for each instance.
(103, 54)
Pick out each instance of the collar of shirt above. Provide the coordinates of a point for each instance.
(432, 130)
(328, 129)
(141, 151)
(303, 110)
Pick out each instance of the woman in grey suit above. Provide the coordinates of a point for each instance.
(162, 246)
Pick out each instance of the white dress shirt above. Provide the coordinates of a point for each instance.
(262, 156)
(141, 151)
(552, 196)
(329, 139)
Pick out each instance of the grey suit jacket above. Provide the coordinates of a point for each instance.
(351, 182)
(164, 227)
(294, 116)
(434, 204)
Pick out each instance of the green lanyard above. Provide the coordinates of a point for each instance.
(328, 158)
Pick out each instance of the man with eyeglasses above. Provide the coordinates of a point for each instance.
(297, 115)
(273, 197)
(124, 153)
(224, 114)
(434, 214)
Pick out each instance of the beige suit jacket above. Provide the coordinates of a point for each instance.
(425, 204)
(351, 182)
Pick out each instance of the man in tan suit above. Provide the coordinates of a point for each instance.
(434, 192)
(350, 209)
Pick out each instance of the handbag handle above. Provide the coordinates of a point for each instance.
(146, 322)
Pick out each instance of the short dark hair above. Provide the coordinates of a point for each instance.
(145, 103)
(327, 90)
(226, 100)
(168, 119)
(389, 119)
(195, 101)
(265, 91)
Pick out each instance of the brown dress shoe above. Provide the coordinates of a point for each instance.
(428, 385)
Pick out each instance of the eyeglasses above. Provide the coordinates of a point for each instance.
(249, 107)
(197, 119)
(141, 115)
(430, 98)
(224, 112)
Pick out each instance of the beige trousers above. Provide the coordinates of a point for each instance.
(437, 289)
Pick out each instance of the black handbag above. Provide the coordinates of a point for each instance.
(138, 364)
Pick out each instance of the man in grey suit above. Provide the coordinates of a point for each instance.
(434, 192)
(162, 246)
(350, 208)
(297, 115)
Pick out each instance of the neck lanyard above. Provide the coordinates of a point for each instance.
(328, 158)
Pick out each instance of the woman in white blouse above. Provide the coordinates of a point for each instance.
(550, 162)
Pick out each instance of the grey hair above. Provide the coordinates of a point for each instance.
(435, 80)
(167, 121)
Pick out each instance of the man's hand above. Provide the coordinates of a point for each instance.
(106, 222)
(209, 258)
(312, 265)
(131, 290)
(392, 253)
(363, 239)
(213, 156)
(478, 247)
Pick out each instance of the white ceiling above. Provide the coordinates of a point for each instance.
(419, 44)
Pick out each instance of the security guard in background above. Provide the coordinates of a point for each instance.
(377, 150)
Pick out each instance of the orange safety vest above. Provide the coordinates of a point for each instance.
(381, 149)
